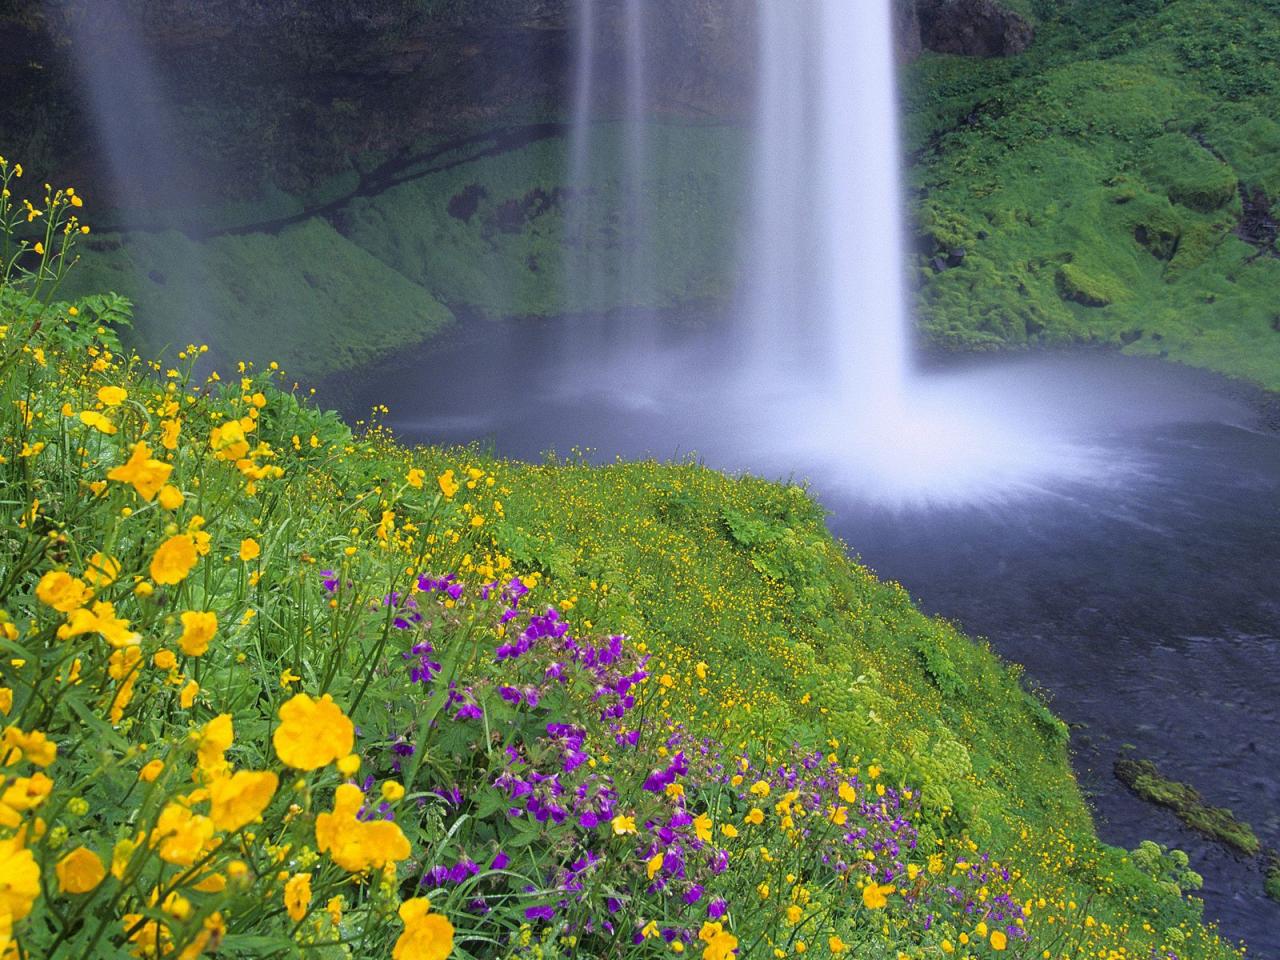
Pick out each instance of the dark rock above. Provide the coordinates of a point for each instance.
(956, 257)
(463, 205)
(939, 264)
(981, 28)
(1258, 227)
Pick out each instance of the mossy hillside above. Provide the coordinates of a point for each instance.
(512, 236)
(798, 645)
(293, 296)
(481, 230)
(1095, 185)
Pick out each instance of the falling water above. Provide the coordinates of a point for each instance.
(609, 243)
(826, 290)
(154, 177)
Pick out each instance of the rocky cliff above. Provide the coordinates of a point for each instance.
(296, 90)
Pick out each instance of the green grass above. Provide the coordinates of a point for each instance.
(1093, 183)
(385, 271)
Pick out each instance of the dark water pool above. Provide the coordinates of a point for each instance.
(1137, 577)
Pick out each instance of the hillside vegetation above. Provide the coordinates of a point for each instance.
(1115, 184)
(273, 688)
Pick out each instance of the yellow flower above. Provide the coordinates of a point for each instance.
(228, 441)
(358, 845)
(24, 793)
(448, 484)
(39, 248)
(249, 549)
(392, 791)
(623, 824)
(188, 695)
(998, 940)
(19, 879)
(239, 799)
(181, 836)
(213, 742)
(836, 945)
(62, 591)
(702, 827)
(297, 896)
(198, 629)
(427, 935)
(415, 478)
(35, 747)
(112, 396)
(150, 771)
(102, 620)
(144, 473)
(6, 700)
(754, 816)
(654, 864)
(174, 559)
(169, 430)
(103, 570)
(729, 830)
(171, 497)
(312, 733)
(91, 418)
(79, 871)
(721, 945)
(847, 793)
(760, 789)
(875, 896)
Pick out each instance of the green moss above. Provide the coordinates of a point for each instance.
(1273, 876)
(1145, 779)
(305, 296)
(1092, 290)
(1190, 174)
(1093, 184)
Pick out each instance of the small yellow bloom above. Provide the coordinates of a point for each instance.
(198, 628)
(174, 559)
(171, 497)
(79, 871)
(312, 733)
(875, 896)
(249, 549)
(112, 396)
(448, 484)
(150, 771)
(427, 936)
(415, 478)
(623, 824)
(297, 896)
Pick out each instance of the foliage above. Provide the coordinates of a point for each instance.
(1095, 185)
(271, 688)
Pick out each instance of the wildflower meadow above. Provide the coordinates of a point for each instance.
(276, 686)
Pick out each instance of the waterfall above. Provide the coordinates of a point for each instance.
(157, 175)
(609, 246)
(825, 291)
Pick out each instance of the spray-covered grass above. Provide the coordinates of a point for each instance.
(1115, 184)
(490, 228)
(272, 688)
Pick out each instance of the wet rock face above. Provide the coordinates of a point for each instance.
(978, 28)
(293, 91)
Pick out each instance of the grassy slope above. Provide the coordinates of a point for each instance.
(803, 645)
(395, 259)
(1092, 184)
